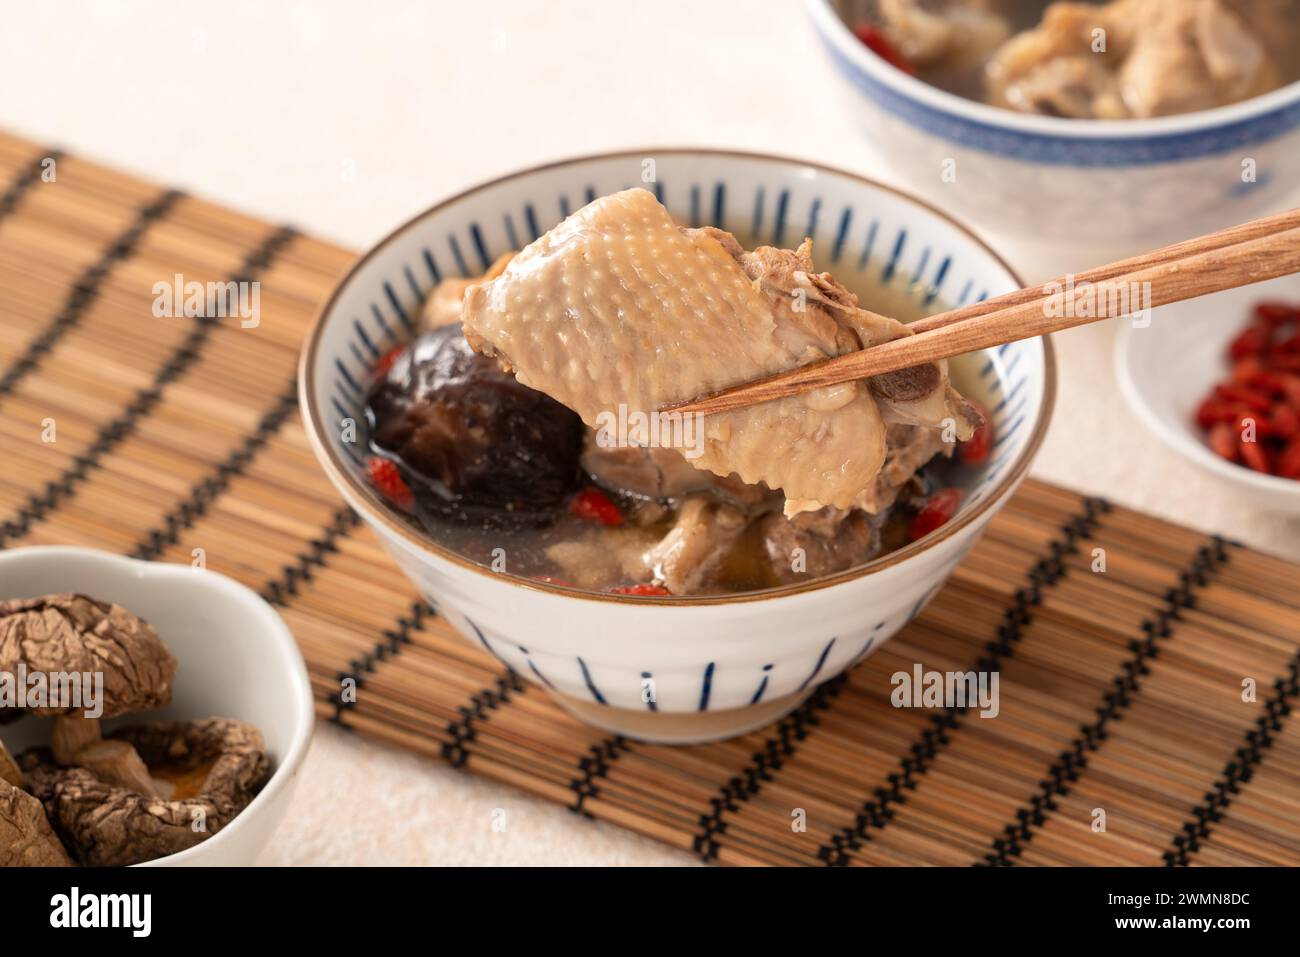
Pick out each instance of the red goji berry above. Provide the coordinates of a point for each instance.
(1256, 456)
(938, 508)
(385, 477)
(1243, 395)
(386, 361)
(1288, 463)
(1246, 370)
(875, 40)
(1284, 421)
(1251, 341)
(645, 590)
(595, 506)
(1276, 313)
(1223, 441)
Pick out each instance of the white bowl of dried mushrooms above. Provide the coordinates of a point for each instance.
(149, 714)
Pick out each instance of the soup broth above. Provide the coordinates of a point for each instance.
(564, 545)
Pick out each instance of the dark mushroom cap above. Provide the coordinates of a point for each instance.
(73, 633)
(474, 439)
(105, 825)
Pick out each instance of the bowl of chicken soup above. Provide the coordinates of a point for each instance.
(484, 388)
(1082, 132)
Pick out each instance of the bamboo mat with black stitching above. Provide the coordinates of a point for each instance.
(1121, 692)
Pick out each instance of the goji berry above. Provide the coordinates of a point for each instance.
(386, 361)
(938, 508)
(1256, 456)
(1288, 463)
(874, 40)
(645, 590)
(1252, 341)
(1284, 421)
(1276, 313)
(1251, 398)
(1223, 441)
(595, 506)
(386, 478)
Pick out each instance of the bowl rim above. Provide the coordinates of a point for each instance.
(1184, 443)
(833, 28)
(367, 500)
(304, 708)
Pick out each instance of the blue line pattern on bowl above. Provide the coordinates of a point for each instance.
(1066, 150)
(1001, 379)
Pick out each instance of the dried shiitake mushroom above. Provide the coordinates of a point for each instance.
(9, 770)
(26, 839)
(76, 634)
(217, 766)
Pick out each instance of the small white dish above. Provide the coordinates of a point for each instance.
(1165, 370)
(235, 659)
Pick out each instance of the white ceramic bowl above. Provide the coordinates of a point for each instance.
(719, 665)
(235, 659)
(1165, 369)
(1081, 191)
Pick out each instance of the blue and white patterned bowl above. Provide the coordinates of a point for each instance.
(1078, 190)
(675, 669)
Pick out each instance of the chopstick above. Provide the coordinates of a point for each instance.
(1238, 256)
(1254, 229)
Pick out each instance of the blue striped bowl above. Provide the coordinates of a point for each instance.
(1079, 191)
(675, 669)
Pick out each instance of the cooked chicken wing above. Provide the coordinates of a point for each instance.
(618, 306)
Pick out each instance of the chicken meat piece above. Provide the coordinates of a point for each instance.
(643, 471)
(950, 33)
(1192, 56)
(442, 307)
(699, 540)
(1132, 58)
(617, 306)
(813, 544)
(595, 558)
(910, 447)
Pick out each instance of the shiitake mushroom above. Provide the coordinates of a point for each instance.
(471, 438)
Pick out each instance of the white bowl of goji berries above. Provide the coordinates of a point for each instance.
(1218, 380)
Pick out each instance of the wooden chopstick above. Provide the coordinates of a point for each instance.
(1186, 270)
(1254, 229)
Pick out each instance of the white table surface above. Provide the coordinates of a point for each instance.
(263, 106)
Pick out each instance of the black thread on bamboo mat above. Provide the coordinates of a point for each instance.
(110, 435)
(24, 181)
(764, 765)
(876, 811)
(462, 731)
(303, 567)
(204, 493)
(1065, 769)
(85, 291)
(593, 766)
(1239, 770)
(389, 645)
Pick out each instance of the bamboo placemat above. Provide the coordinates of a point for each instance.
(1121, 690)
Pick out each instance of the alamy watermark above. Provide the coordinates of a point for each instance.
(208, 300)
(75, 690)
(1100, 300)
(919, 688)
(669, 430)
